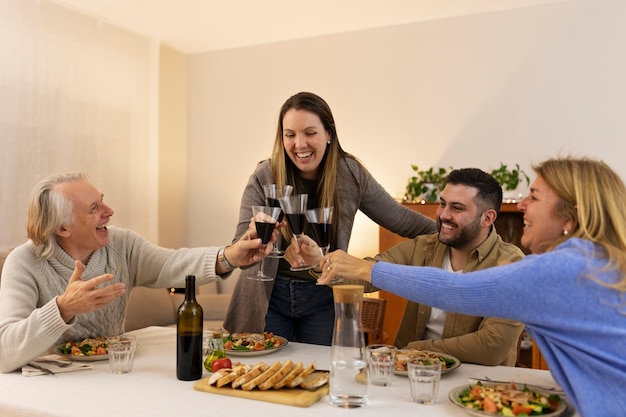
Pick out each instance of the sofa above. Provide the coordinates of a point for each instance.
(158, 306)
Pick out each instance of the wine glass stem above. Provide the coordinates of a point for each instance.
(262, 255)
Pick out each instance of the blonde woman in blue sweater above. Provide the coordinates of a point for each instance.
(570, 292)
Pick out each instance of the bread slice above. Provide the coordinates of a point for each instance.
(257, 370)
(263, 377)
(315, 380)
(295, 371)
(282, 372)
(236, 372)
(217, 375)
(298, 380)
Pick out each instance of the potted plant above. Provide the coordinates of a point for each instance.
(425, 185)
(510, 179)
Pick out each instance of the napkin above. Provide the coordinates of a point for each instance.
(52, 364)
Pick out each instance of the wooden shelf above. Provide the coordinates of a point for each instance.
(509, 224)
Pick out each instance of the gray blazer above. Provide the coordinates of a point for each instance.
(357, 190)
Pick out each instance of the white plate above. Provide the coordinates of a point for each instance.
(457, 362)
(258, 352)
(455, 394)
(92, 358)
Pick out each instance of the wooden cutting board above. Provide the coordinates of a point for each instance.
(297, 396)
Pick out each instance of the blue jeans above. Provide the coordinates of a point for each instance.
(301, 311)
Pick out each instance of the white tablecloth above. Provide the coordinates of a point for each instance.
(152, 389)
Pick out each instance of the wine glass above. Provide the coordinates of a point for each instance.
(320, 220)
(294, 207)
(265, 219)
(272, 193)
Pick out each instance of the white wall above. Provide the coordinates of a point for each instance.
(173, 148)
(515, 86)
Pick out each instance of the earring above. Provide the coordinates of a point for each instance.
(565, 232)
(328, 142)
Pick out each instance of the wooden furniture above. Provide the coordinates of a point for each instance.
(372, 319)
(538, 361)
(509, 224)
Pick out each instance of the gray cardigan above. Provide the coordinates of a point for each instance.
(357, 190)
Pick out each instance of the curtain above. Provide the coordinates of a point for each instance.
(76, 94)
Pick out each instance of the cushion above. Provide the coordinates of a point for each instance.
(149, 307)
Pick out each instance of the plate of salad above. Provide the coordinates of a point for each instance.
(448, 362)
(484, 399)
(87, 350)
(253, 344)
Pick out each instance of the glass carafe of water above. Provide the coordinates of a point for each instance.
(347, 350)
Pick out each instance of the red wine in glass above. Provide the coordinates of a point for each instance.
(294, 207)
(264, 231)
(296, 221)
(265, 219)
(321, 233)
(272, 193)
(320, 221)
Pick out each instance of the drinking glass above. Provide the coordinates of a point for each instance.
(381, 362)
(424, 376)
(294, 207)
(121, 351)
(265, 219)
(320, 220)
(272, 193)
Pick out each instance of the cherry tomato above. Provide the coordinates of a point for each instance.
(489, 406)
(220, 364)
(520, 409)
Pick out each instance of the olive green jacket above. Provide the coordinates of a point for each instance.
(480, 340)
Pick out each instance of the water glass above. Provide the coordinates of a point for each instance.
(121, 353)
(381, 361)
(424, 376)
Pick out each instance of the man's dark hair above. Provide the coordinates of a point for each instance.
(489, 190)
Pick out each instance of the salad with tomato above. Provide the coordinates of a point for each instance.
(251, 341)
(508, 400)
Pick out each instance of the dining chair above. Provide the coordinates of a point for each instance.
(372, 318)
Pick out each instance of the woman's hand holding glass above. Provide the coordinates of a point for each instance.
(340, 265)
(294, 207)
(272, 193)
(303, 251)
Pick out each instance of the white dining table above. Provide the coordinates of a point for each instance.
(152, 388)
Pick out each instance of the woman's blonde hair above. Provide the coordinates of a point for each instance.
(48, 210)
(593, 197)
(284, 170)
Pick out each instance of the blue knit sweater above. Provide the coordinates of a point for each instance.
(578, 324)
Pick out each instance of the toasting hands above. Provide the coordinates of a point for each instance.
(245, 251)
(340, 265)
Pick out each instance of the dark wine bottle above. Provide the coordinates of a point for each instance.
(189, 322)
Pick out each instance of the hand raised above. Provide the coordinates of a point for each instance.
(87, 296)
